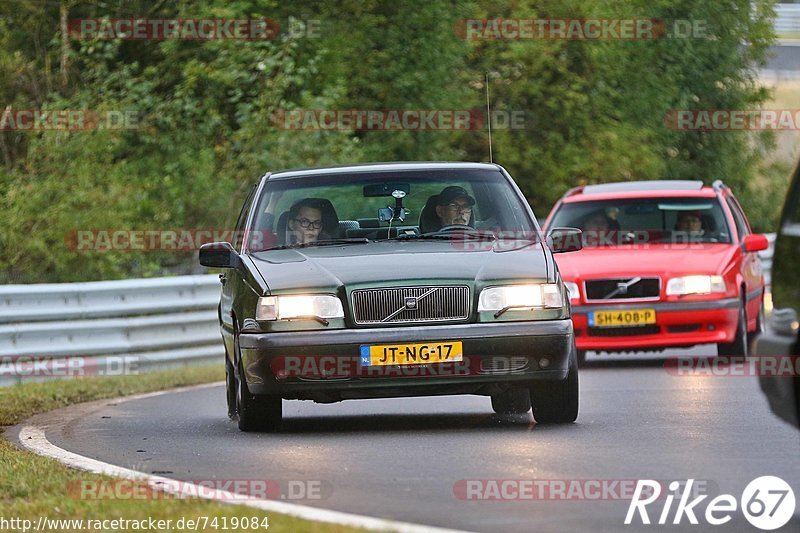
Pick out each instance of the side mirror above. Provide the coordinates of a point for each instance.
(565, 240)
(219, 255)
(755, 243)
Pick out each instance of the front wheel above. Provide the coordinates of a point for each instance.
(511, 402)
(761, 325)
(556, 402)
(739, 345)
(255, 413)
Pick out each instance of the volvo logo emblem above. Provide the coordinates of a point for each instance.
(622, 288)
(410, 303)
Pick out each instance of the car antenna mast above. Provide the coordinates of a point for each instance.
(489, 118)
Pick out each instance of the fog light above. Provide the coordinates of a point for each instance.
(544, 362)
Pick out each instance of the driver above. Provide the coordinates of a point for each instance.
(454, 206)
(689, 221)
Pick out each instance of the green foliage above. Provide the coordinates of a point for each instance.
(205, 130)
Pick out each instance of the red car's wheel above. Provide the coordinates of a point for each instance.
(739, 345)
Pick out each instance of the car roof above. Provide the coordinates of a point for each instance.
(382, 167)
(640, 189)
(657, 185)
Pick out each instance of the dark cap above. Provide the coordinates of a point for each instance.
(452, 192)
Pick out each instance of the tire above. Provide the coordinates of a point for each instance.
(556, 402)
(739, 345)
(255, 413)
(581, 357)
(761, 326)
(230, 388)
(511, 402)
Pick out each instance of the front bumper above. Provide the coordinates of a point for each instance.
(677, 324)
(497, 357)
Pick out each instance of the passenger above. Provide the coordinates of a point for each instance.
(305, 223)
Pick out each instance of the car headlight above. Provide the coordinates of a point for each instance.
(300, 306)
(695, 285)
(572, 288)
(540, 295)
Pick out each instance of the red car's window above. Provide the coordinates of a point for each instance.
(646, 220)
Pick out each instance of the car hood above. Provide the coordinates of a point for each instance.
(650, 260)
(327, 268)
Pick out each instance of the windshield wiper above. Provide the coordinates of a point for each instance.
(449, 235)
(327, 242)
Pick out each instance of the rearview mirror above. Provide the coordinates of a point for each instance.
(755, 243)
(219, 255)
(565, 240)
(385, 189)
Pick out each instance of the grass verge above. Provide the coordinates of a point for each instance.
(32, 486)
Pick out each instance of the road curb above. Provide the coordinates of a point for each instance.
(32, 438)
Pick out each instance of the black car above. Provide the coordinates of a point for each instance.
(780, 337)
(391, 280)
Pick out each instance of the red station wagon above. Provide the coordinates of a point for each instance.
(664, 264)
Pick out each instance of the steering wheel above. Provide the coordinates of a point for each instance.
(456, 227)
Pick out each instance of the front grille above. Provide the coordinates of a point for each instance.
(438, 303)
(624, 331)
(611, 289)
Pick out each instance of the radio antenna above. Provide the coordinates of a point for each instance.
(489, 118)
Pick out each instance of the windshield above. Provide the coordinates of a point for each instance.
(363, 207)
(646, 220)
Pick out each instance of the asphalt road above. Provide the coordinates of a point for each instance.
(405, 459)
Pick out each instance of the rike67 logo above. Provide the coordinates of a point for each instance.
(767, 502)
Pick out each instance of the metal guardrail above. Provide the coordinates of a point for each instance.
(97, 326)
(787, 19)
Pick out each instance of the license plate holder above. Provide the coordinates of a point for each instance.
(622, 318)
(411, 353)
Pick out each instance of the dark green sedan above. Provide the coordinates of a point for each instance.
(393, 280)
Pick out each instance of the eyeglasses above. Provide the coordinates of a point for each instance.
(306, 224)
(463, 208)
